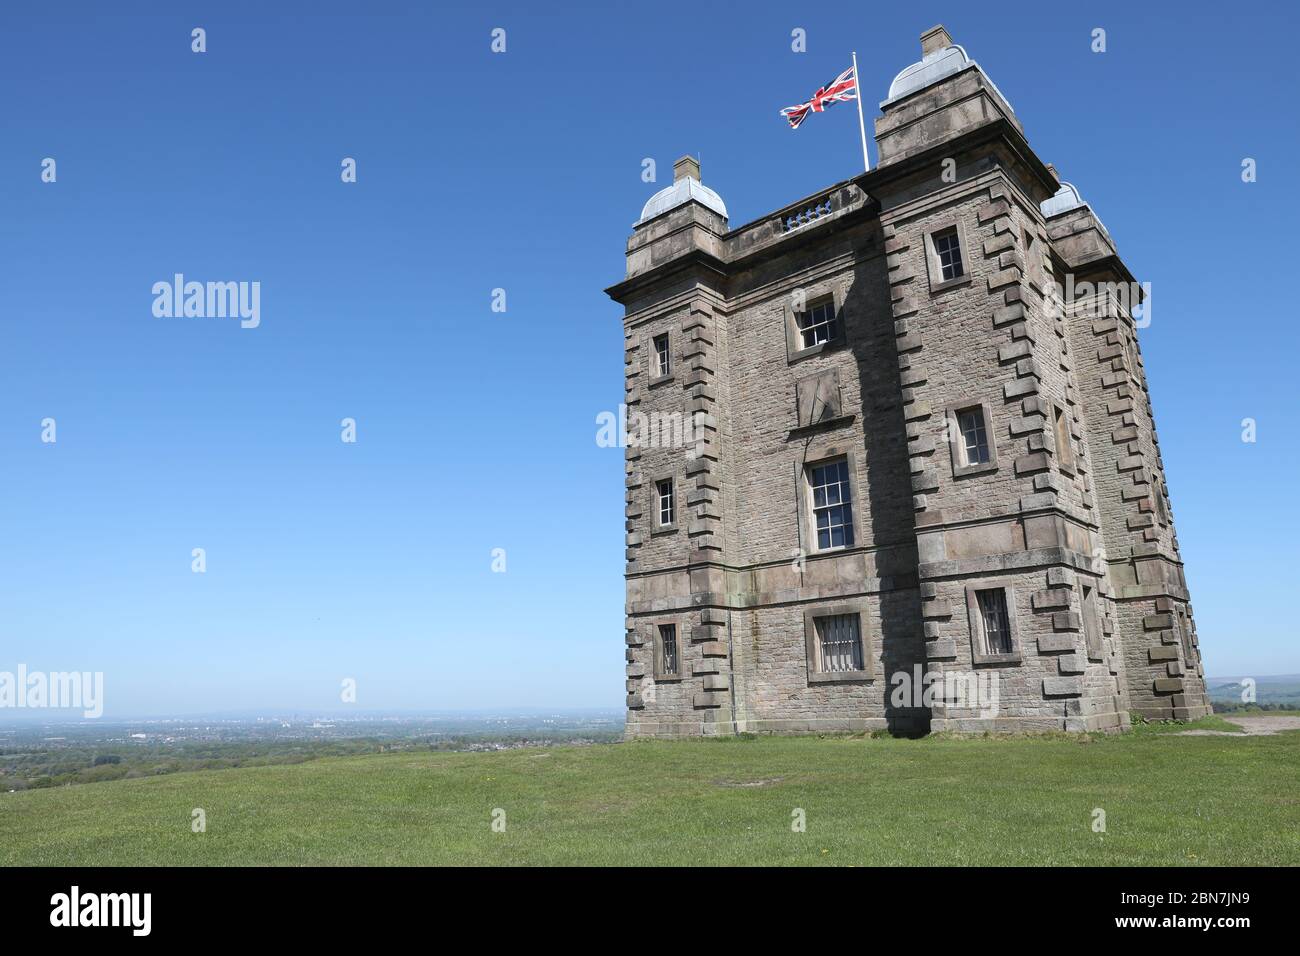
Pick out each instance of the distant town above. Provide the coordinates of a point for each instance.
(49, 753)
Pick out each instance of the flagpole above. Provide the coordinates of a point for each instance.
(862, 125)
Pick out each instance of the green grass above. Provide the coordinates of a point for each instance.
(1168, 800)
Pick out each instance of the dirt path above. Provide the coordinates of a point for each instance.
(1251, 727)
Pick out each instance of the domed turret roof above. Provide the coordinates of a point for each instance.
(932, 68)
(1067, 198)
(684, 190)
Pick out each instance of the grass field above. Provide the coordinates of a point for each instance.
(1168, 800)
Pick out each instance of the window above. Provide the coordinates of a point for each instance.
(667, 504)
(669, 661)
(831, 504)
(824, 481)
(991, 613)
(974, 436)
(818, 324)
(1162, 505)
(1064, 445)
(995, 620)
(945, 242)
(969, 431)
(1185, 640)
(1033, 259)
(839, 643)
(947, 247)
(661, 508)
(837, 639)
(1091, 626)
(814, 322)
(1131, 347)
(662, 356)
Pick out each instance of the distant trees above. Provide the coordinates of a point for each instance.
(1221, 707)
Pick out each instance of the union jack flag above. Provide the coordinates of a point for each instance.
(844, 87)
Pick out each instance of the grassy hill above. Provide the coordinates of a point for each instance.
(1169, 800)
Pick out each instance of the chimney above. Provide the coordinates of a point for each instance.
(935, 39)
(688, 167)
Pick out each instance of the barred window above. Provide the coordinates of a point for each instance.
(667, 505)
(948, 249)
(832, 504)
(662, 357)
(974, 435)
(668, 649)
(997, 625)
(818, 324)
(839, 643)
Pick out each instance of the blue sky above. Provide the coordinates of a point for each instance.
(476, 430)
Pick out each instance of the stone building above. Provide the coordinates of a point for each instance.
(891, 458)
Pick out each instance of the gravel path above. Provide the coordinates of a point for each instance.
(1251, 727)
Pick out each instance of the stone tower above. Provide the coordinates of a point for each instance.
(891, 457)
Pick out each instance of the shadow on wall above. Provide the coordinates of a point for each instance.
(886, 474)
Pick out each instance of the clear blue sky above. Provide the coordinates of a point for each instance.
(476, 429)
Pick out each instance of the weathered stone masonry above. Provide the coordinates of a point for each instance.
(1068, 518)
